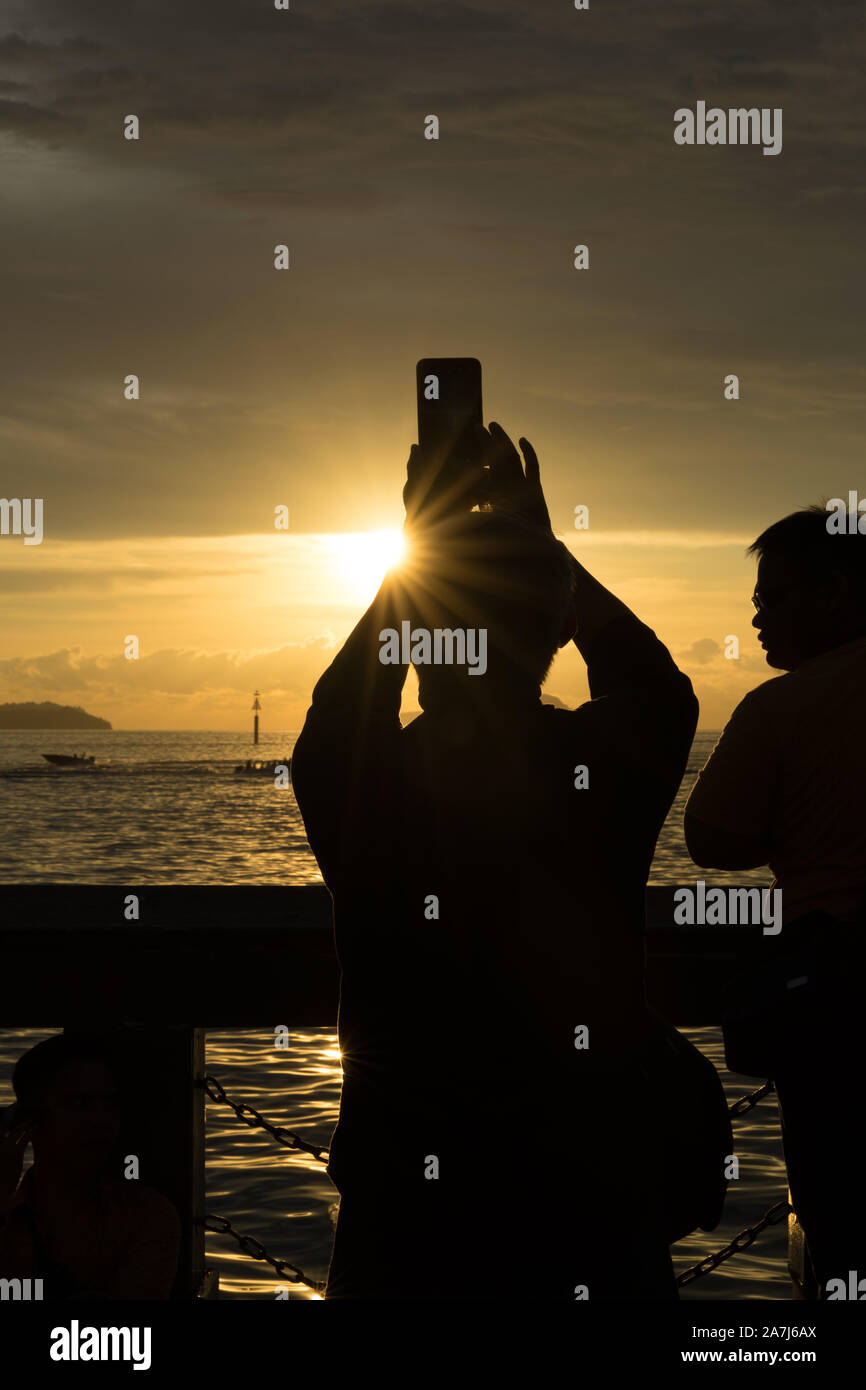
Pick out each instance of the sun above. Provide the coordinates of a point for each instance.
(361, 558)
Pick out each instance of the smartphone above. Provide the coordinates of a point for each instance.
(449, 407)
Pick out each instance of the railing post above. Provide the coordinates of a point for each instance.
(803, 1282)
(160, 1070)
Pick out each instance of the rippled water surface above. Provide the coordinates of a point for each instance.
(168, 808)
(153, 808)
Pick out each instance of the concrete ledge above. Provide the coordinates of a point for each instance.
(231, 956)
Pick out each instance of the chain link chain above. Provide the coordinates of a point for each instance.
(747, 1103)
(256, 1251)
(287, 1137)
(771, 1217)
(251, 1117)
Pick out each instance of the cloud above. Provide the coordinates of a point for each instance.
(306, 126)
(632, 540)
(702, 651)
(288, 671)
(176, 688)
(25, 119)
(330, 89)
(33, 54)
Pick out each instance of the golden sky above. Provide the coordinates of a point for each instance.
(262, 388)
(217, 617)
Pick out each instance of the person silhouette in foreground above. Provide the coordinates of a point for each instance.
(786, 786)
(74, 1221)
(487, 865)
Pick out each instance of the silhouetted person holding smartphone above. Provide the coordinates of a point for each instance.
(498, 1130)
(74, 1221)
(786, 786)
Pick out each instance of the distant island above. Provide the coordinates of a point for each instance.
(47, 715)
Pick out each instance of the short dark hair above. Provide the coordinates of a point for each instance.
(497, 571)
(803, 542)
(37, 1069)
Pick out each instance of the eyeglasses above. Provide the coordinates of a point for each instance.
(764, 599)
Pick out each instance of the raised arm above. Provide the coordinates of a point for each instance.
(349, 742)
(650, 704)
(647, 703)
(349, 736)
(623, 655)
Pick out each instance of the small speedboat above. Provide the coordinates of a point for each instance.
(260, 769)
(69, 759)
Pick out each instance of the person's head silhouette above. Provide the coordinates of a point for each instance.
(810, 594)
(66, 1088)
(496, 573)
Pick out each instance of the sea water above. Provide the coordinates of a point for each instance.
(168, 808)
